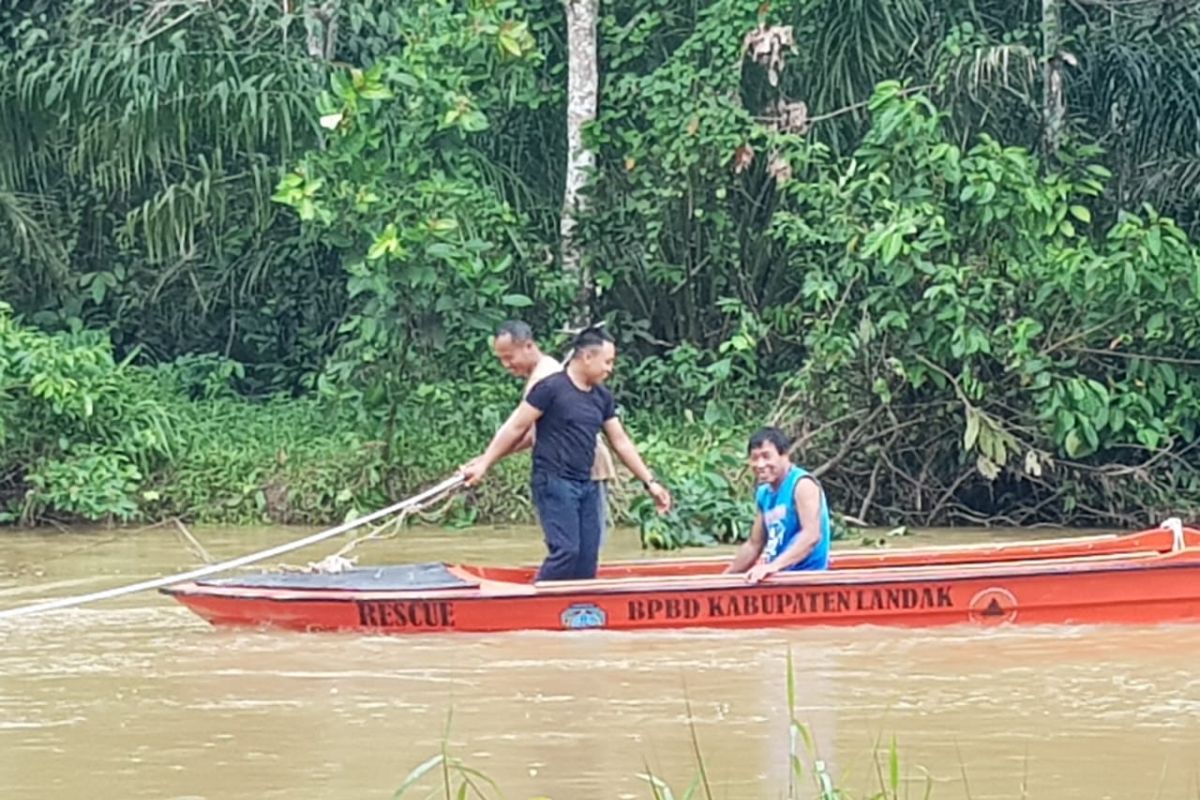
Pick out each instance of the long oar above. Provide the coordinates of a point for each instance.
(65, 602)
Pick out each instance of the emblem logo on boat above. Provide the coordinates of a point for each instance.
(993, 606)
(584, 615)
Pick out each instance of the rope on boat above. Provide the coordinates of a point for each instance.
(406, 506)
(337, 562)
(1175, 526)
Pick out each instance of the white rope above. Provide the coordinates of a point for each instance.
(1175, 526)
(65, 602)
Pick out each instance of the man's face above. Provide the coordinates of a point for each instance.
(768, 464)
(598, 362)
(516, 357)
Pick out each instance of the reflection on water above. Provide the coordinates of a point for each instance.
(137, 698)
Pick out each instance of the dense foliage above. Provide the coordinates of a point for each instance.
(254, 251)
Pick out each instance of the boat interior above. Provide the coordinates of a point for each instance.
(1068, 554)
(1144, 545)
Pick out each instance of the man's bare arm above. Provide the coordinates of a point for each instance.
(751, 549)
(623, 446)
(510, 434)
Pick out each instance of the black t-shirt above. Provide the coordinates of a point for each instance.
(565, 445)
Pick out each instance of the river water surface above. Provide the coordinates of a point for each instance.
(138, 698)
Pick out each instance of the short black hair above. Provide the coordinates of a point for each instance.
(774, 436)
(592, 336)
(516, 330)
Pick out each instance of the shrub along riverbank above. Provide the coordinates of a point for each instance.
(86, 437)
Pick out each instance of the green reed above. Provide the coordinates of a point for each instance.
(459, 781)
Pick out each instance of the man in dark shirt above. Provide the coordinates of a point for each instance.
(569, 408)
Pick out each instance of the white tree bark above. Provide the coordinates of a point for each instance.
(583, 90)
(321, 22)
(1054, 100)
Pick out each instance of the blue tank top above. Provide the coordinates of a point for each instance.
(782, 524)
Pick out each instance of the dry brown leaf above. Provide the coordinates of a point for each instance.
(780, 169)
(743, 157)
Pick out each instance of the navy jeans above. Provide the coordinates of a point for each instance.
(569, 512)
(602, 506)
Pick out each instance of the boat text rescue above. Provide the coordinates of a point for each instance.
(405, 614)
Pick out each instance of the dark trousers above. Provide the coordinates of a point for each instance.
(569, 512)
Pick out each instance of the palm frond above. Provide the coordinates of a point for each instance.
(138, 111)
(1012, 67)
(1141, 100)
(1172, 182)
(29, 240)
(845, 47)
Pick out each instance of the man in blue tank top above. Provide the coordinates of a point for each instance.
(791, 519)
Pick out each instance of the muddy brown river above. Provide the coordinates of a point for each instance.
(138, 698)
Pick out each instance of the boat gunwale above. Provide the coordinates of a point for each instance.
(989, 553)
(935, 549)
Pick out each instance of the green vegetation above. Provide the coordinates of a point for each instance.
(252, 253)
(92, 438)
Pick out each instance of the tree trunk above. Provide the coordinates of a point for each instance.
(1054, 102)
(321, 23)
(583, 89)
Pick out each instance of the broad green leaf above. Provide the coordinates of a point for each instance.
(442, 224)
(341, 85)
(1089, 434)
(509, 44)
(891, 247)
(376, 93)
(1154, 241)
(378, 249)
(473, 121)
(971, 434)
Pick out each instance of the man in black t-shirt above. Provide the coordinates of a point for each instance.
(569, 408)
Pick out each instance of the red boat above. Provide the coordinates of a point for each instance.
(1146, 577)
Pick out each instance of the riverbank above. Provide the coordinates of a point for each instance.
(87, 438)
